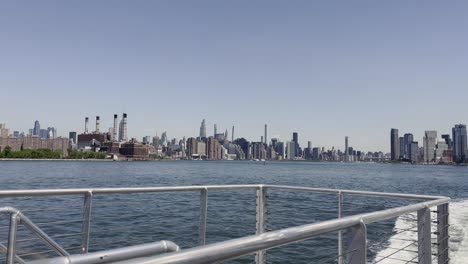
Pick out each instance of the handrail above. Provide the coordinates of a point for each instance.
(247, 245)
(114, 255)
(47, 192)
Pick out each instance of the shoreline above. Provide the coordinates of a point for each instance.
(301, 161)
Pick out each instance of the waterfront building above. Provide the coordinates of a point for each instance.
(429, 142)
(203, 129)
(134, 151)
(114, 128)
(441, 152)
(296, 142)
(316, 154)
(394, 144)
(401, 143)
(459, 143)
(192, 148)
(281, 149)
(407, 138)
(123, 136)
(34, 142)
(258, 150)
(414, 152)
(213, 149)
(16, 134)
(201, 149)
(346, 159)
(291, 150)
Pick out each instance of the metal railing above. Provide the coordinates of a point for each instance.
(352, 247)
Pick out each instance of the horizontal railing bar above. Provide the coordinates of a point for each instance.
(351, 192)
(45, 192)
(247, 245)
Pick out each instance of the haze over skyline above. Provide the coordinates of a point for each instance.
(325, 69)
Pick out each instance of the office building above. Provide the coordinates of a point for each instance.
(401, 143)
(429, 143)
(459, 136)
(407, 139)
(394, 144)
(346, 159)
(291, 150)
(37, 128)
(414, 152)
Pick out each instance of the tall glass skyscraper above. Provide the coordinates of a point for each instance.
(459, 143)
(394, 144)
(37, 128)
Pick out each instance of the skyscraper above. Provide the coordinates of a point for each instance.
(459, 143)
(114, 129)
(215, 130)
(346, 150)
(291, 151)
(37, 128)
(413, 152)
(203, 129)
(232, 134)
(401, 142)
(394, 144)
(123, 128)
(296, 141)
(407, 139)
(266, 140)
(429, 143)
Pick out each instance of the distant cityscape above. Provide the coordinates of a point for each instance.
(445, 150)
(114, 142)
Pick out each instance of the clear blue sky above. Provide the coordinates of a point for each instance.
(325, 69)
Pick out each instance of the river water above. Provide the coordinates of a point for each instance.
(122, 220)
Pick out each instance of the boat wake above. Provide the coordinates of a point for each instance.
(402, 245)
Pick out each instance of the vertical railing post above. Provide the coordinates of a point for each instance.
(11, 248)
(203, 217)
(261, 211)
(442, 234)
(340, 237)
(356, 244)
(424, 236)
(88, 198)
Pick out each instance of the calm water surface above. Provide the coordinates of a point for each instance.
(121, 220)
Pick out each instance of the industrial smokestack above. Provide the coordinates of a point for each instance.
(86, 125)
(124, 127)
(114, 131)
(98, 121)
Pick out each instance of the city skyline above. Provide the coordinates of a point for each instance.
(403, 142)
(324, 69)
